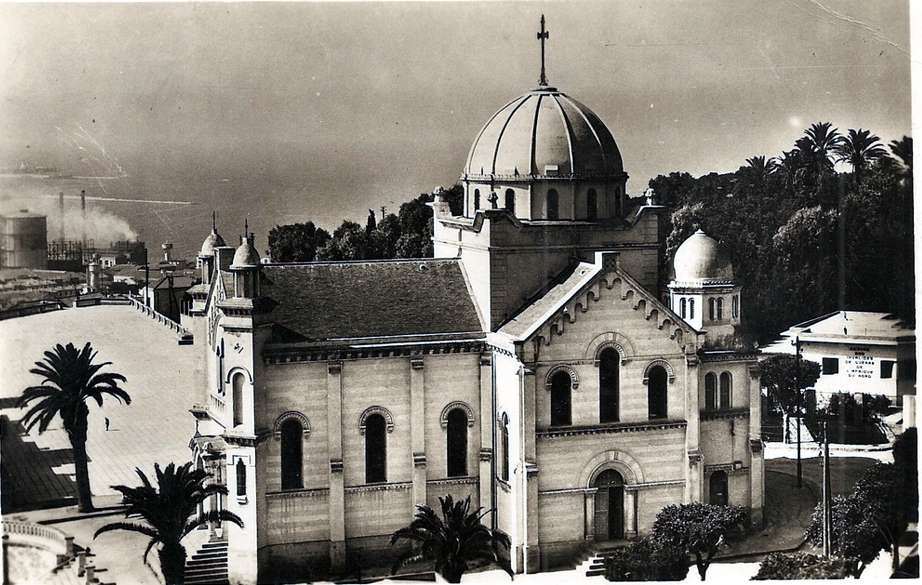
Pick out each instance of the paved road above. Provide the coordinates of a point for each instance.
(155, 427)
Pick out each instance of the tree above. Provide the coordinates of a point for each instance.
(453, 541)
(297, 242)
(859, 149)
(647, 560)
(888, 499)
(823, 141)
(902, 149)
(777, 566)
(699, 529)
(69, 380)
(780, 374)
(169, 512)
(855, 534)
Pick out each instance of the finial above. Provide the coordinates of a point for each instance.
(214, 221)
(543, 35)
(246, 228)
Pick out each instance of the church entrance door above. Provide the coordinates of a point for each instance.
(609, 506)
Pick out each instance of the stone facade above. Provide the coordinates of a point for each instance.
(530, 366)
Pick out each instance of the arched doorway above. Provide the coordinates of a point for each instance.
(609, 505)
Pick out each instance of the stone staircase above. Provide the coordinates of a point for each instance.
(208, 566)
(594, 566)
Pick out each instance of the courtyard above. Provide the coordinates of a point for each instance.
(155, 427)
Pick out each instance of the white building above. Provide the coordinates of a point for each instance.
(859, 352)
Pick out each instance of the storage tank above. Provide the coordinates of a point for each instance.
(23, 240)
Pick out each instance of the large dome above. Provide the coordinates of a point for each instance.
(544, 133)
(700, 258)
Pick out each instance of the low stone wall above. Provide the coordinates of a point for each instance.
(160, 318)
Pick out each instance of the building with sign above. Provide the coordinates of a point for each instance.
(859, 352)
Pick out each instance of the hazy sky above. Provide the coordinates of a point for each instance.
(394, 93)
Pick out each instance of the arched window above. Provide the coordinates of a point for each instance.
(710, 391)
(720, 309)
(241, 478)
(553, 204)
(510, 200)
(292, 437)
(711, 313)
(476, 199)
(560, 399)
(609, 382)
(656, 392)
(504, 448)
(457, 443)
(375, 449)
(238, 381)
(735, 306)
(719, 493)
(592, 203)
(219, 364)
(726, 390)
(682, 304)
(691, 308)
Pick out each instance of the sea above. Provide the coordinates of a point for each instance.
(165, 207)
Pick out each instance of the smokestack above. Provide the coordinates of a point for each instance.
(83, 217)
(167, 252)
(61, 216)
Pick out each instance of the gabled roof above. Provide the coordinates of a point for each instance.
(330, 301)
(537, 313)
(570, 287)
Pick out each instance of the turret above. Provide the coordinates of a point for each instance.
(245, 267)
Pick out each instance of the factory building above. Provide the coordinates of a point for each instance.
(23, 240)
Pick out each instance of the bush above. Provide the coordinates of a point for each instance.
(647, 560)
(804, 566)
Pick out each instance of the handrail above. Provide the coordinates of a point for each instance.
(57, 538)
(159, 317)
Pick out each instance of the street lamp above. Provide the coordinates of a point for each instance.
(798, 405)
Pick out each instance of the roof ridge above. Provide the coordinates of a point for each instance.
(357, 262)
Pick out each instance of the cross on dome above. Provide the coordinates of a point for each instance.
(543, 35)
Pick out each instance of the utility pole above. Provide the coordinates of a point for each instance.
(799, 400)
(827, 493)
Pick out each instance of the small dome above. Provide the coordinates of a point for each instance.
(700, 258)
(214, 240)
(545, 133)
(246, 255)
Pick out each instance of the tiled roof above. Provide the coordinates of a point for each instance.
(346, 300)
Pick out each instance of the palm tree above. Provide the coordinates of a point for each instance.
(761, 168)
(823, 140)
(902, 149)
(69, 379)
(859, 149)
(170, 513)
(454, 541)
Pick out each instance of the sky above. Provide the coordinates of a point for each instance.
(375, 102)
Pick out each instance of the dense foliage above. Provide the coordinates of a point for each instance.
(407, 234)
(647, 560)
(70, 379)
(454, 541)
(699, 529)
(777, 566)
(780, 374)
(804, 238)
(877, 512)
(168, 512)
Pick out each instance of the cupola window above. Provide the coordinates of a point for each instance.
(510, 201)
(553, 204)
(682, 305)
(476, 199)
(592, 212)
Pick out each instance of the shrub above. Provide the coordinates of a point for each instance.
(804, 566)
(647, 560)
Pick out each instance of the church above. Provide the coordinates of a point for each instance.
(536, 364)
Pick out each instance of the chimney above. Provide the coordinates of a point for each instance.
(167, 252)
(61, 216)
(83, 218)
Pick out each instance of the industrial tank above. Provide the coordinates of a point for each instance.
(23, 240)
